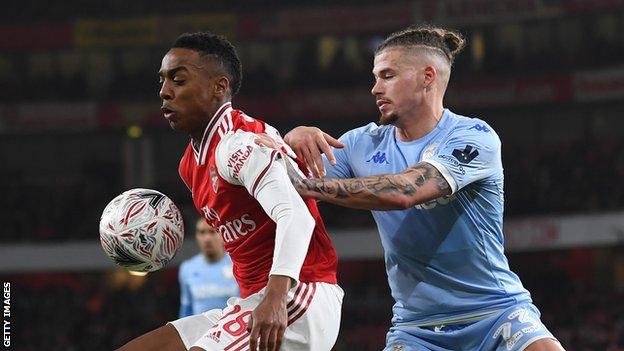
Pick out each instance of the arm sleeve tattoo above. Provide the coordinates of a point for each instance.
(417, 184)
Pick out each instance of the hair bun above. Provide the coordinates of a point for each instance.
(454, 41)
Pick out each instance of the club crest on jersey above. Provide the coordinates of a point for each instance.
(214, 178)
(428, 153)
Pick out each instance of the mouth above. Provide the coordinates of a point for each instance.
(168, 113)
(382, 103)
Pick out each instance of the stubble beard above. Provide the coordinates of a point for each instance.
(389, 119)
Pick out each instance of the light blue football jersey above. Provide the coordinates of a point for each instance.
(205, 286)
(444, 258)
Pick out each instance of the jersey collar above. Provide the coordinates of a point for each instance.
(215, 122)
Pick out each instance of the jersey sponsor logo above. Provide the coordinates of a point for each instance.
(238, 158)
(444, 200)
(456, 164)
(467, 155)
(236, 228)
(480, 128)
(210, 214)
(379, 157)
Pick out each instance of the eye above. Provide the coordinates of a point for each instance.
(178, 81)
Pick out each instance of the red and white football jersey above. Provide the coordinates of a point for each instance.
(228, 205)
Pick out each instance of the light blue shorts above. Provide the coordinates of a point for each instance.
(513, 329)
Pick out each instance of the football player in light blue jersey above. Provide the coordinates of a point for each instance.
(206, 279)
(434, 182)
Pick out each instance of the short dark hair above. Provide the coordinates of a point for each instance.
(219, 49)
(447, 41)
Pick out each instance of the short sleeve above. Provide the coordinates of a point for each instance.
(341, 169)
(240, 161)
(468, 155)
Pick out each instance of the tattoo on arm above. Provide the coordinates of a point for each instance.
(408, 184)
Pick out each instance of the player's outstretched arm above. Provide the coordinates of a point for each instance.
(308, 143)
(417, 184)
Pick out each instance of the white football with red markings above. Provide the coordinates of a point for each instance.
(141, 230)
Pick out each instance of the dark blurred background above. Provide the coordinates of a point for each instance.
(80, 122)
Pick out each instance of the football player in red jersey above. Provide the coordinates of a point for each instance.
(283, 259)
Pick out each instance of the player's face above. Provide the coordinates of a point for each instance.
(399, 84)
(208, 239)
(189, 97)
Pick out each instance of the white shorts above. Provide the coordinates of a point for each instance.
(313, 321)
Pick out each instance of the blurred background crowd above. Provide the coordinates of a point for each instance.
(80, 122)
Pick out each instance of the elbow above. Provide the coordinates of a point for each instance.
(404, 202)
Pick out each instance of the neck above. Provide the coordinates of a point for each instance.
(419, 124)
(198, 135)
(214, 256)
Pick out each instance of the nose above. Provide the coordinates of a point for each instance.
(165, 93)
(376, 89)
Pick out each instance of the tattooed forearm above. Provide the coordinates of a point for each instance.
(424, 172)
(416, 184)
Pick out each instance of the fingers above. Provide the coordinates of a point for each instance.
(307, 157)
(316, 161)
(250, 323)
(266, 338)
(309, 143)
(279, 336)
(332, 141)
(325, 147)
(265, 140)
(253, 336)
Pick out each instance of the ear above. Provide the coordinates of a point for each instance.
(222, 86)
(430, 75)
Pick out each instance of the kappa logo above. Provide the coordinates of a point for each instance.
(467, 155)
(379, 157)
(480, 128)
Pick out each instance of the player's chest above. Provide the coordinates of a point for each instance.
(388, 158)
(228, 208)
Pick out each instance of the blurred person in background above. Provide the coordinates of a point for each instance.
(206, 279)
(434, 182)
(283, 259)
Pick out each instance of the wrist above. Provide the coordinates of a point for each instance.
(277, 287)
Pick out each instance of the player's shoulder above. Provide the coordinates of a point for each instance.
(242, 121)
(236, 138)
(473, 128)
(369, 131)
